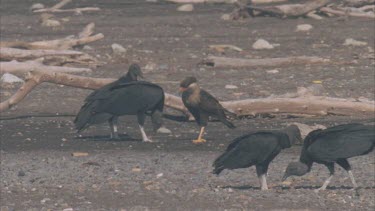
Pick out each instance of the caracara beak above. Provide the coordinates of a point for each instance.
(182, 89)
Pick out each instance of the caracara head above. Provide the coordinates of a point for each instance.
(187, 83)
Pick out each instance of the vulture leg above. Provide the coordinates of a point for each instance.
(113, 122)
(331, 168)
(345, 165)
(200, 139)
(141, 121)
(262, 173)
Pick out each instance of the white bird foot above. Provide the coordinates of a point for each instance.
(148, 140)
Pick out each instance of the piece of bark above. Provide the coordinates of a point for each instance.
(291, 10)
(268, 62)
(312, 105)
(346, 13)
(21, 54)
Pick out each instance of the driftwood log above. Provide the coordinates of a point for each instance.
(21, 68)
(83, 38)
(22, 54)
(312, 105)
(267, 62)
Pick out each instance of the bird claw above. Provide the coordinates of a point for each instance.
(199, 141)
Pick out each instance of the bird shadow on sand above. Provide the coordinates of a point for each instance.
(122, 137)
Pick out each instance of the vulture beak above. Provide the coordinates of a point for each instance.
(182, 89)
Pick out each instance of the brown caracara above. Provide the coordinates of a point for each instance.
(202, 105)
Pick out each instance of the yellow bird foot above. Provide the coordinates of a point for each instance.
(199, 141)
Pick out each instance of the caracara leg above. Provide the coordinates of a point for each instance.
(141, 121)
(331, 169)
(200, 139)
(113, 123)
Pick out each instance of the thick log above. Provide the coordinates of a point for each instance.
(347, 13)
(268, 62)
(21, 54)
(313, 105)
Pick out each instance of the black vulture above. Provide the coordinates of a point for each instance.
(202, 105)
(126, 96)
(333, 145)
(257, 148)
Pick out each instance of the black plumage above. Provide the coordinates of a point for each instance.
(202, 105)
(257, 148)
(126, 96)
(333, 145)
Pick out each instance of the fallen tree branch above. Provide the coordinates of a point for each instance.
(268, 62)
(312, 105)
(20, 54)
(347, 13)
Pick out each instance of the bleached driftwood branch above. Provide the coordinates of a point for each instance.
(84, 37)
(21, 54)
(21, 68)
(267, 62)
(313, 105)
